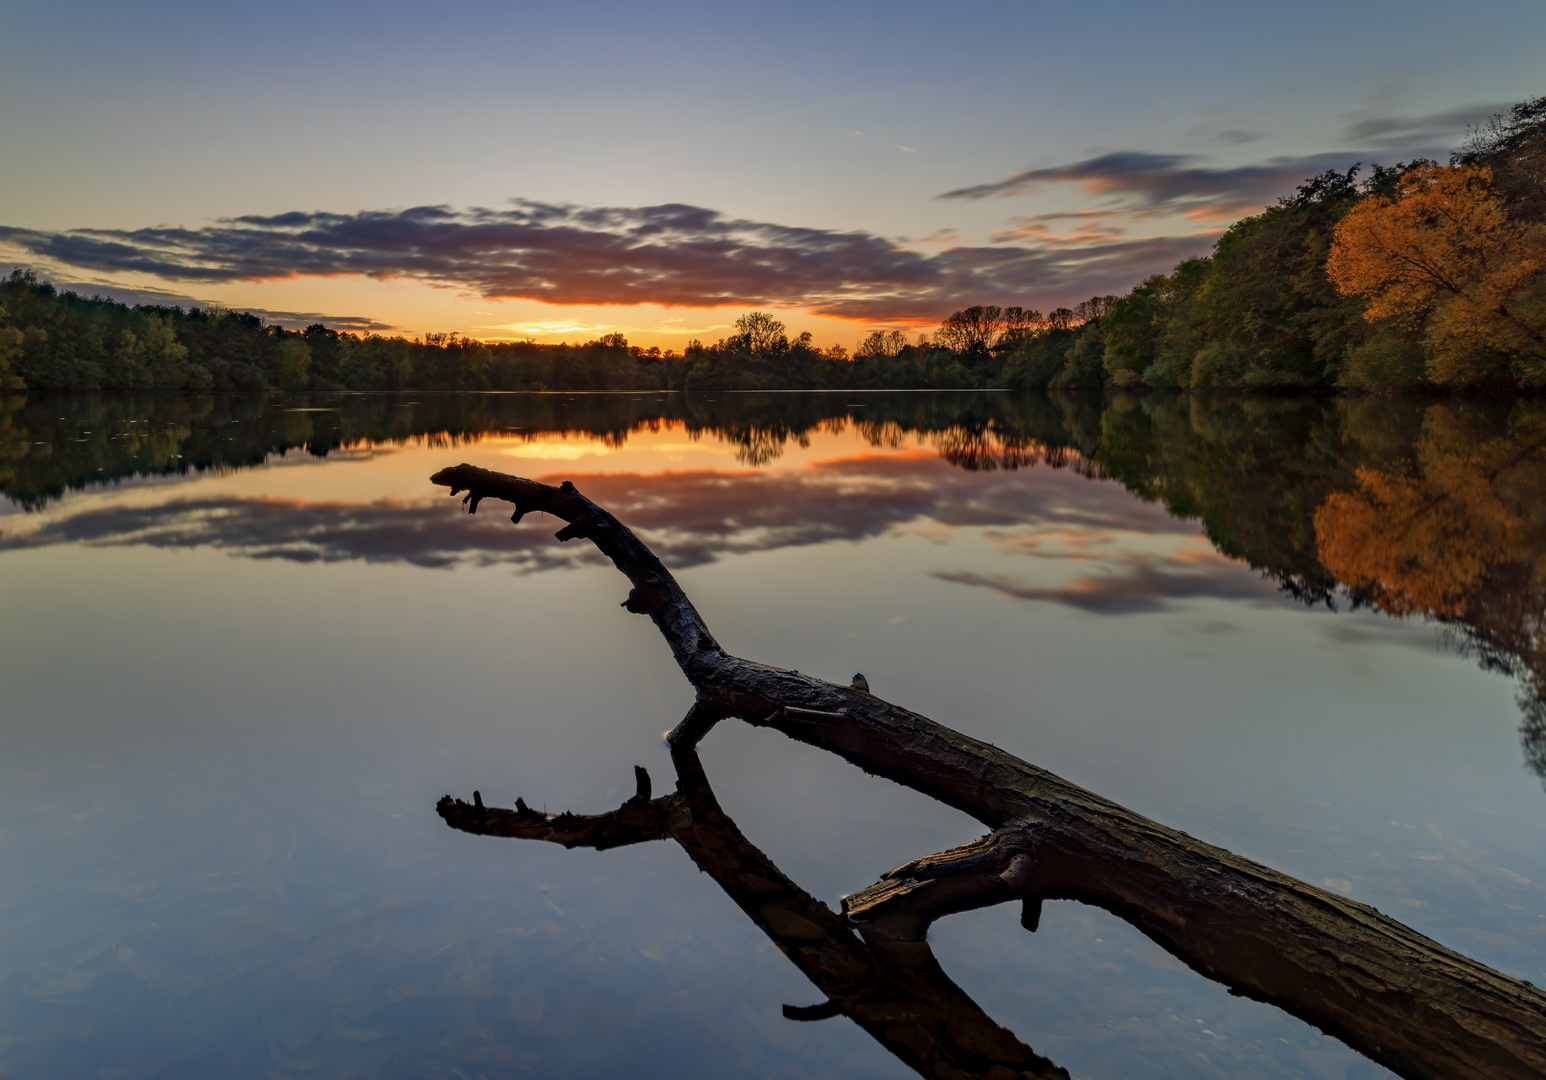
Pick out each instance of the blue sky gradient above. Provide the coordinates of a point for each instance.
(1082, 147)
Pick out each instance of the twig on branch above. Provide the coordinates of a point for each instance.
(1385, 990)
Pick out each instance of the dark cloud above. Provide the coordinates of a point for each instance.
(671, 254)
(1168, 183)
(1143, 183)
(680, 255)
(1143, 584)
(169, 298)
(299, 320)
(1056, 270)
(1407, 132)
(689, 518)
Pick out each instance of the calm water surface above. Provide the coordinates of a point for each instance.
(246, 646)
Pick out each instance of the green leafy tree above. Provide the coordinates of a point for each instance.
(760, 334)
(1131, 329)
(294, 363)
(883, 344)
(11, 340)
(1513, 145)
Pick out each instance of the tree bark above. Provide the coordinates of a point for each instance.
(1392, 994)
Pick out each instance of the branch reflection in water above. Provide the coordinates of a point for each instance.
(1394, 995)
(895, 990)
(1172, 662)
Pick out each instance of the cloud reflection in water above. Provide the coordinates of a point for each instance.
(1141, 583)
(692, 518)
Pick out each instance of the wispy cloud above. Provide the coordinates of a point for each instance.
(1417, 134)
(1143, 183)
(1235, 136)
(681, 255)
(1223, 133)
(672, 255)
(1077, 269)
(1079, 228)
(1148, 583)
(295, 320)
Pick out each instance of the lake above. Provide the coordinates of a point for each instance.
(247, 646)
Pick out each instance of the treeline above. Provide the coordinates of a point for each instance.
(1416, 277)
(51, 339)
(1419, 276)
(58, 340)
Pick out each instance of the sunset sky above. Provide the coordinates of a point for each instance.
(562, 171)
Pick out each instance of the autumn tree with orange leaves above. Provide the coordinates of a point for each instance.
(1445, 254)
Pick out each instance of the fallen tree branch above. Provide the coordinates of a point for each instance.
(1392, 994)
(896, 991)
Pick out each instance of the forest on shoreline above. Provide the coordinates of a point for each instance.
(1417, 277)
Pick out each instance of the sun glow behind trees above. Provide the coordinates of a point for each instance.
(1418, 276)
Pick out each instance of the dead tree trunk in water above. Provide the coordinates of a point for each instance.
(1387, 991)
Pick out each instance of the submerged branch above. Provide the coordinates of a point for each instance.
(1387, 991)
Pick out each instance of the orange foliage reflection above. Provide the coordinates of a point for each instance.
(1416, 545)
(1456, 529)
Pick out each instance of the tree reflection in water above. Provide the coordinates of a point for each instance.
(1457, 532)
(1414, 508)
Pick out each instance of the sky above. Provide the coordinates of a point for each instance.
(561, 171)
